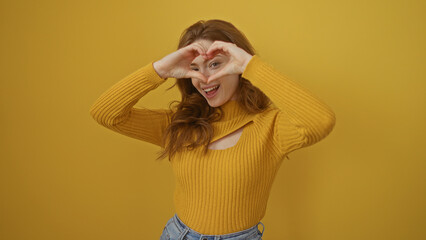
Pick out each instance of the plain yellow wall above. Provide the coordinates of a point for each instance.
(63, 176)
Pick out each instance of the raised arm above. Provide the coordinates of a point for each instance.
(303, 118)
(115, 109)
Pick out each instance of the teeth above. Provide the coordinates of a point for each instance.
(210, 89)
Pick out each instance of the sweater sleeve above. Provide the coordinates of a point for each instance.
(114, 108)
(302, 119)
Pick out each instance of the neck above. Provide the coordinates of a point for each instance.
(234, 117)
(231, 110)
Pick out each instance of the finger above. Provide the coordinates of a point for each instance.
(193, 50)
(197, 50)
(216, 76)
(201, 47)
(201, 52)
(216, 48)
(195, 74)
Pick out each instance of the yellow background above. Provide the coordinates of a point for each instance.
(63, 176)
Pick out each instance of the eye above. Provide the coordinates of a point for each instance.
(214, 64)
(194, 69)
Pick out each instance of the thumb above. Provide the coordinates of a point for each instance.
(195, 74)
(216, 76)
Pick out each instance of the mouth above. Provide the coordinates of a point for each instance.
(211, 91)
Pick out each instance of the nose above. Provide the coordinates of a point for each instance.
(206, 73)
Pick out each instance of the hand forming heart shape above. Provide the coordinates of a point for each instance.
(238, 58)
(177, 64)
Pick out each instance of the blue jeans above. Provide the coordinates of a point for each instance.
(175, 229)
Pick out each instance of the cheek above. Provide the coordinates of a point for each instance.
(194, 83)
(233, 83)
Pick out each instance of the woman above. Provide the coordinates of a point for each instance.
(226, 139)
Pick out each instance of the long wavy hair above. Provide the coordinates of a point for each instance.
(191, 120)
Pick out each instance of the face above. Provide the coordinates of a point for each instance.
(220, 90)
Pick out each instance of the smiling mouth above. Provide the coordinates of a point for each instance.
(207, 90)
(211, 91)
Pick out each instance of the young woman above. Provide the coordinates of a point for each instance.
(226, 139)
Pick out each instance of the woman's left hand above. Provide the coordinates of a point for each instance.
(238, 58)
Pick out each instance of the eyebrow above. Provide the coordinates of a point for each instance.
(218, 55)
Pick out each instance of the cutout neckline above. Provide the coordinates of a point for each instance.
(241, 139)
(234, 119)
(233, 139)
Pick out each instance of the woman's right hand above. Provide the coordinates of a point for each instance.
(177, 64)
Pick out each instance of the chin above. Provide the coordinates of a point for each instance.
(216, 103)
(213, 104)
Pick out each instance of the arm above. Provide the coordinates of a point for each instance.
(114, 108)
(303, 118)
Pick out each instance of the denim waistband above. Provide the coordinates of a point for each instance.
(188, 231)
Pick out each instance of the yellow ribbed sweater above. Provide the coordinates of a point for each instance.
(226, 190)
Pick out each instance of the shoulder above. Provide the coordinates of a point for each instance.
(267, 115)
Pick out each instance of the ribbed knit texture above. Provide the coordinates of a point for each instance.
(225, 190)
